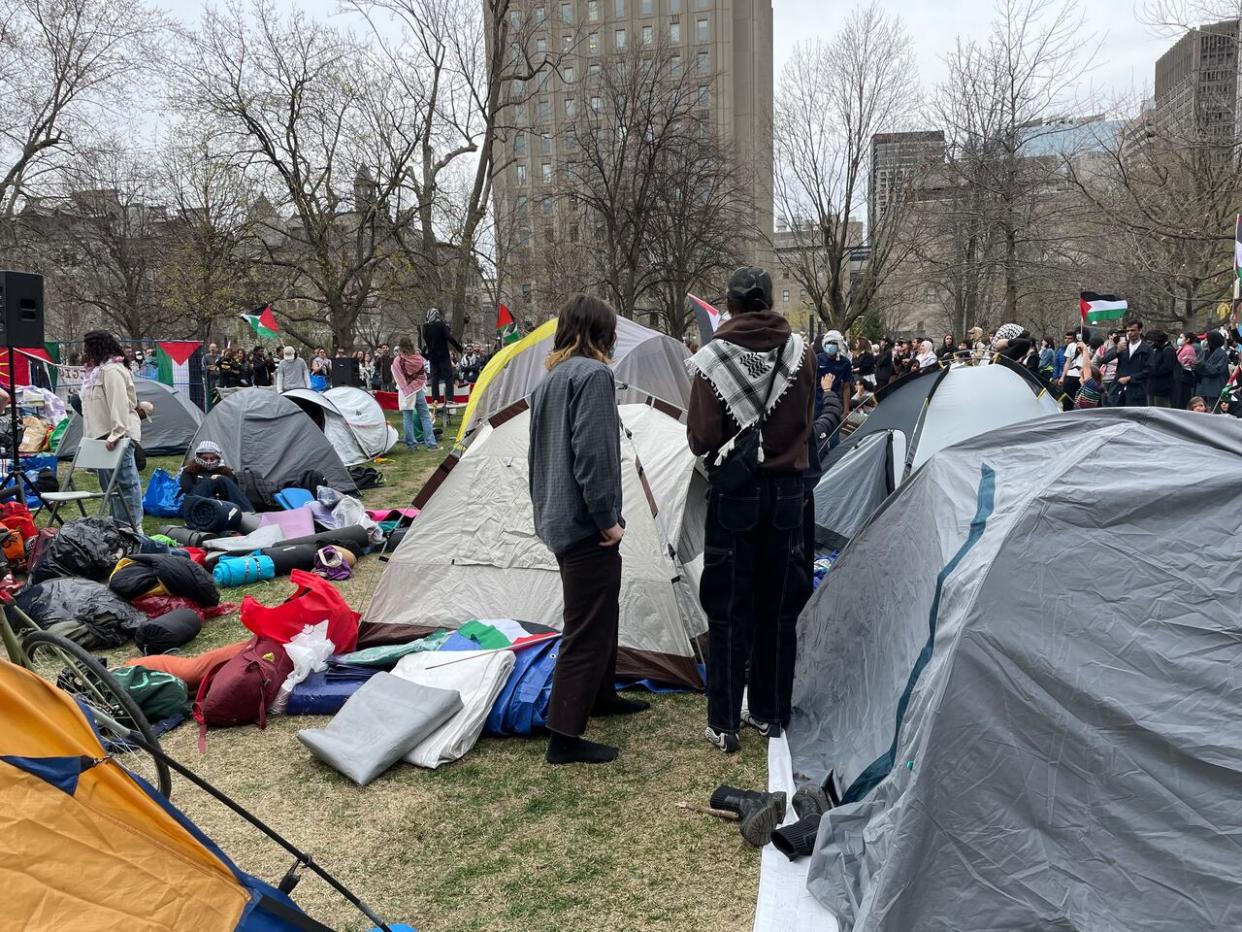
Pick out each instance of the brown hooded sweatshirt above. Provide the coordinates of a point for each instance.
(787, 428)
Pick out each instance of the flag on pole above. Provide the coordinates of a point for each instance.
(707, 316)
(1237, 247)
(506, 326)
(263, 321)
(1096, 308)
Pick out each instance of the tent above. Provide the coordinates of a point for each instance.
(649, 363)
(168, 432)
(351, 420)
(268, 433)
(1022, 675)
(916, 417)
(473, 552)
(85, 845)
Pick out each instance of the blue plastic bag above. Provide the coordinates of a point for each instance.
(163, 497)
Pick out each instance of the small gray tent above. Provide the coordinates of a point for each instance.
(1023, 677)
(266, 432)
(168, 432)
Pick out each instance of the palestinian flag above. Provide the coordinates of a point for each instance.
(263, 321)
(708, 317)
(181, 366)
(1096, 308)
(506, 326)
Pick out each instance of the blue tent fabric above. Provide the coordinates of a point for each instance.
(60, 772)
(163, 495)
(325, 693)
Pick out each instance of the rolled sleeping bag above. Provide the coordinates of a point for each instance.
(242, 571)
(168, 631)
(290, 557)
(207, 514)
(353, 538)
(186, 537)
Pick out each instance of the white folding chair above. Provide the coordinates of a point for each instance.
(92, 454)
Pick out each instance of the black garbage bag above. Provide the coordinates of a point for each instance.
(180, 576)
(88, 548)
(82, 610)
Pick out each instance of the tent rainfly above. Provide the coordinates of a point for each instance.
(268, 433)
(916, 417)
(354, 445)
(473, 552)
(646, 363)
(1022, 677)
(167, 432)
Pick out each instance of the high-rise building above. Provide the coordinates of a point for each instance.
(725, 44)
(895, 159)
(1197, 81)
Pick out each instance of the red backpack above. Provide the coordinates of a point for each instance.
(238, 691)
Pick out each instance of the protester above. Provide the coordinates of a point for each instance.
(884, 363)
(864, 368)
(110, 413)
(366, 369)
(822, 433)
(979, 347)
(262, 367)
(575, 490)
(409, 371)
(753, 373)
(471, 363)
(946, 349)
(1198, 405)
(320, 371)
(291, 372)
(438, 344)
(1071, 379)
(1090, 393)
(832, 360)
(1133, 355)
(927, 358)
(211, 366)
(1213, 372)
(382, 380)
(1184, 375)
(207, 476)
(1161, 375)
(1047, 357)
(150, 368)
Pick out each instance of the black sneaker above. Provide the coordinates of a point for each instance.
(726, 741)
(766, 729)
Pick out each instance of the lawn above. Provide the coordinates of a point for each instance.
(497, 840)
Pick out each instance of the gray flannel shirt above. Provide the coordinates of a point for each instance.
(575, 454)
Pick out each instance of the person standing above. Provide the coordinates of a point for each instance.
(1164, 366)
(832, 360)
(262, 367)
(753, 373)
(409, 372)
(1184, 374)
(864, 368)
(291, 372)
(1071, 378)
(320, 371)
(438, 346)
(382, 363)
(211, 368)
(1133, 356)
(884, 363)
(1213, 372)
(575, 489)
(110, 413)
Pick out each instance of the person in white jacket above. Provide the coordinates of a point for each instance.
(110, 413)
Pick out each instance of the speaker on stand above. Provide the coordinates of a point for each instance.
(21, 316)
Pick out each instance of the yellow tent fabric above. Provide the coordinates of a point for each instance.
(497, 363)
(106, 858)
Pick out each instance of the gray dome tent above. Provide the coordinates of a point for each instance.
(1023, 678)
(266, 432)
(168, 432)
(916, 417)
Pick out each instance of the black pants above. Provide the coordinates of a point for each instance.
(222, 489)
(441, 377)
(1070, 385)
(586, 665)
(755, 582)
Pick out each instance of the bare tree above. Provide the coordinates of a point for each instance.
(63, 65)
(833, 98)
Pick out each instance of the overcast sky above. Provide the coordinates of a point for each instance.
(1125, 59)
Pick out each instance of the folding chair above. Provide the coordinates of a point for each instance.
(92, 454)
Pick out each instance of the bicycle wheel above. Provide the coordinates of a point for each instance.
(72, 668)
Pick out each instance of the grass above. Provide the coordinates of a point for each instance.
(497, 840)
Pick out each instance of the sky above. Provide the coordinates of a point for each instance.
(1125, 58)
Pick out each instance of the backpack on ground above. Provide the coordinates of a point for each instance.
(366, 477)
(238, 691)
(262, 494)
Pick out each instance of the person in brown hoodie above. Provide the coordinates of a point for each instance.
(755, 575)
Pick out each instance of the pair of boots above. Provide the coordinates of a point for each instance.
(762, 815)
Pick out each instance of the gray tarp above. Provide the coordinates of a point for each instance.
(168, 432)
(270, 434)
(1071, 751)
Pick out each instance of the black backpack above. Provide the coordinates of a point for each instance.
(366, 477)
(260, 492)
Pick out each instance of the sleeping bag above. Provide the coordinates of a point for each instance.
(164, 574)
(207, 514)
(82, 610)
(168, 632)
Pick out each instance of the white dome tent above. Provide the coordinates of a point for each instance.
(335, 413)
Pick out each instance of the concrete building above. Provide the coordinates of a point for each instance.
(895, 158)
(1197, 81)
(726, 44)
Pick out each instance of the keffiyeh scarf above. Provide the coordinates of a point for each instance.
(744, 379)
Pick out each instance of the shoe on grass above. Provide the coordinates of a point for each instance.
(765, 729)
(761, 821)
(726, 741)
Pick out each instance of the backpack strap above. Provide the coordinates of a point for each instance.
(203, 687)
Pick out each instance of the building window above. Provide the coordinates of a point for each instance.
(545, 144)
(571, 108)
(593, 11)
(573, 232)
(521, 173)
(520, 206)
(546, 171)
(539, 14)
(515, 19)
(593, 71)
(784, 295)
(541, 45)
(567, 12)
(519, 144)
(674, 6)
(705, 95)
(702, 62)
(593, 42)
(646, 37)
(568, 72)
(542, 83)
(523, 239)
(596, 105)
(619, 39)
(547, 207)
(674, 31)
(618, 7)
(701, 32)
(543, 112)
(645, 7)
(702, 4)
(674, 64)
(567, 42)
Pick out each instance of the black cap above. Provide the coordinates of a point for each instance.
(751, 281)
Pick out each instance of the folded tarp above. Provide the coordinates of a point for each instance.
(268, 536)
(386, 718)
(327, 691)
(478, 676)
(522, 706)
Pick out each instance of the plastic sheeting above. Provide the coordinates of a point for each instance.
(1066, 745)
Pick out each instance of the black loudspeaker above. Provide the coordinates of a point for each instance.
(21, 309)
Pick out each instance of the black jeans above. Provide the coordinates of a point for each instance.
(223, 489)
(441, 377)
(755, 582)
(586, 663)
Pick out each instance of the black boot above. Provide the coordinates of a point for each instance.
(797, 840)
(810, 800)
(731, 799)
